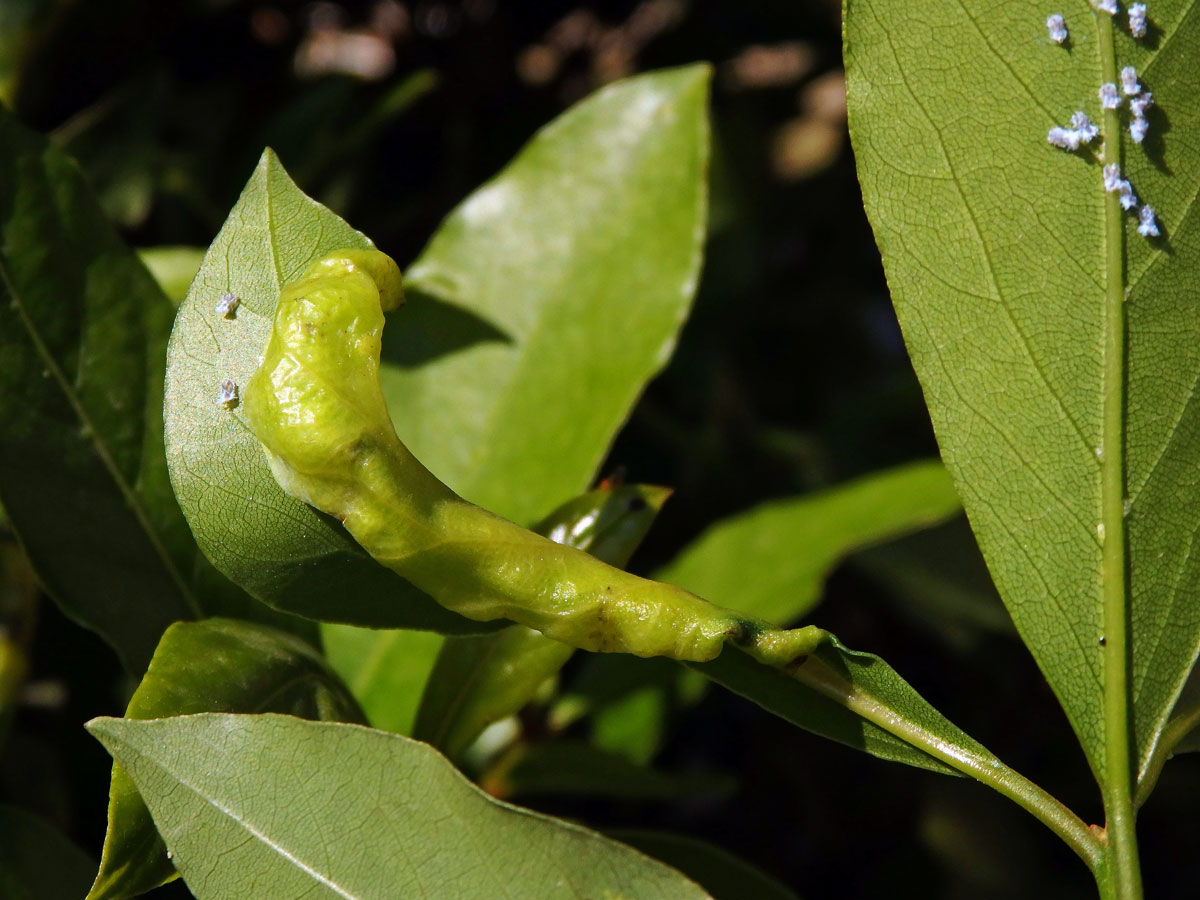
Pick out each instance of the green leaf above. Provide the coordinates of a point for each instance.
(627, 701)
(386, 671)
(280, 550)
(772, 561)
(37, 862)
(725, 876)
(173, 268)
(1011, 294)
(553, 294)
(632, 725)
(577, 769)
(368, 815)
(218, 665)
(866, 674)
(481, 680)
(82, 476)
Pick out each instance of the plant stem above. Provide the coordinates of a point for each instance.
(1047, 809)
(1122, 867)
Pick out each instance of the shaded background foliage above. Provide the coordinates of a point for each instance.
(791, 375)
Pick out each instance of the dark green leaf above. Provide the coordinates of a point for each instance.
(722, 874)
(368, 815)
(22, 24)
(775, 692)
(37, 862)
(82, 477)
(218, 665)
(574, 768)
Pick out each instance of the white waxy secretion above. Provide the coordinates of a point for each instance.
(1147, 224)
(1066, 138)
(1086, 128)
(1129, 82)
(1112, 177)
(1137, 20)
(1109, 98)
(1138, 127)
(228, 305)
(1139, 104)
(1114, 183)
(227, 396)
(1057, 28)
(1108, 6)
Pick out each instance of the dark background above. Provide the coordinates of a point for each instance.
(791, 375)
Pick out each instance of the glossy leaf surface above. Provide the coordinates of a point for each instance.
(218, 665)
(82, 335)
(1000, 265)
(552, 294)
(369, 815)
(772, 561)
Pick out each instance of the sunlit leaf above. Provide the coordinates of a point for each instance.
(368, 815)
(1002, 272)
(218, 665)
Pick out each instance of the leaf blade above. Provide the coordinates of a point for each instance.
(580, 260)
(217, 665)
(999, 284)
(82, 333)
(360, 855)
(279, 550)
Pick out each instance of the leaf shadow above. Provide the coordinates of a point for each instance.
(432, 328)
(1155, 144)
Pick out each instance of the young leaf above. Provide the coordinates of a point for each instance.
(576, 266)
(280, 550)
(218, 665)
(82, 332)
(481, 680)
(37, 862)
(772, 561)
(368, 815)
(1057, 347)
